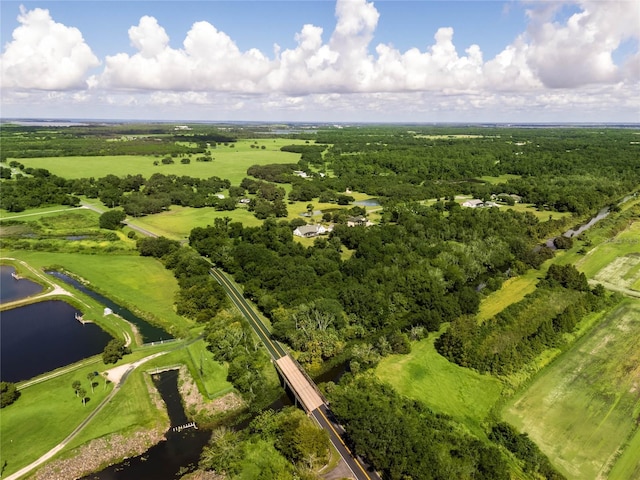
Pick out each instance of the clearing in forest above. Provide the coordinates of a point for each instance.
(583, 409)
(443, 386)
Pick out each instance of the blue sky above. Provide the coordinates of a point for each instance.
(391, 60)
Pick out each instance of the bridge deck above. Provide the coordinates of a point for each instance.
(299, 384)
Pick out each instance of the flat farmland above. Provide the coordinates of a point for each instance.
(583, 409)
(616, 263)
(228, 162)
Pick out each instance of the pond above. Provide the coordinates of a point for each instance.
(14, 289)
(369, 202)
(43, 336)
(149, 333)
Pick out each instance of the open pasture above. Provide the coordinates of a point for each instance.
(230, 162)
(583, 409)
(443, 386)
(177, 222)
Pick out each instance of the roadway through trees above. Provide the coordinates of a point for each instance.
(300, 384)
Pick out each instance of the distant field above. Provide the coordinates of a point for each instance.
(177, 222)
(229, 163)
(583, 408)
(500, 179)
(443, 386)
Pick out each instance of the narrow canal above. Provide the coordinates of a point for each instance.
(170, 459)
(149, 333)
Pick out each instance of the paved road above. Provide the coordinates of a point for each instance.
(322, 414)
(128, 223)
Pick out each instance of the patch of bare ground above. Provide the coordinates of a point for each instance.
(203, 475)
(200, 409)
(99, 453)
(105, 451)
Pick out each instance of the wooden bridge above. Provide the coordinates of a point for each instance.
(180, 428)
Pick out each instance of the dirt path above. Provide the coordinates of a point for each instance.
(121, 376)
(51, 288)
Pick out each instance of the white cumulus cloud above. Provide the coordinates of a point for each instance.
(558, 63)
(580, 51)
(45, 55)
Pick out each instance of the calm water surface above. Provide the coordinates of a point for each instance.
(164, 460)
(43, 336)
(150, 333)
(12, 289)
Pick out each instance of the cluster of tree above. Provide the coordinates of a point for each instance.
(269, 199)
(8, 393)
(402, 438)
(505, 343)
(136, 195)
(231, 341)
(40, 189)
(82, 392)
(274, 172)
(70, 145)
(114, 351)
(139, 196)
(420, 267)
(112, 219)
(282, 446)
(525, 450)
(309, 154)
(199, 296)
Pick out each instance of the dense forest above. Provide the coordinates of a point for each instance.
(363, 292)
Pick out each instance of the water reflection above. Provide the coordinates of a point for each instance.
(149, 333)
(14, 289)
(43, 336)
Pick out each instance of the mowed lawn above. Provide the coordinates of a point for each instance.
(445, 387)
(228, 162)
(45, 414)
(138, 283)
(583, 409)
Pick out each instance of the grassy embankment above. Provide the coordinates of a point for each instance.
(141, 284)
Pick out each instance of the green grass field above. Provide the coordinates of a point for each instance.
(584, 407)
(44, 415)
(178, 222)
(120, 278)
(512, 291)
(229, 163)
(443, 386)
